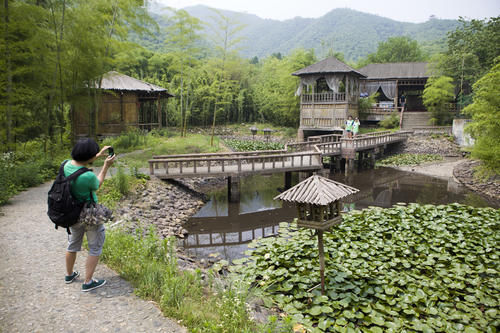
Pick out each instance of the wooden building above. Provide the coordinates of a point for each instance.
(123, 102)
(393, 80)
(329, 92)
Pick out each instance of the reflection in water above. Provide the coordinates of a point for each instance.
(223, 230)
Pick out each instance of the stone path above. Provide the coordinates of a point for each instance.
(33, 295)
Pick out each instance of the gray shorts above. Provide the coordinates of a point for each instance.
(95, 238)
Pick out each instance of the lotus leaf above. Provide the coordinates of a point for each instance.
(413, 267)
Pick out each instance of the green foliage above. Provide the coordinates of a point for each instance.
(28, 166)
(118, 187)
(391, 121)
(201, 302)
(275, 87)
(252, 145)
(472, 49)
(130, 140)
(414, 268)
(437, 96)
(396, 49)
(408, 159)
(485, 125)
(353, 33)
(52, 53)
(365, 103)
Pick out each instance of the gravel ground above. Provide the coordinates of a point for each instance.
(464, 173)
(453, 165)
(425, 144)
(33, 295)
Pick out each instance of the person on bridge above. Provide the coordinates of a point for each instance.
(84, 153)
(348, 126)
(355, 126)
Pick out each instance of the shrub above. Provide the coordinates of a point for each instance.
(390, 122)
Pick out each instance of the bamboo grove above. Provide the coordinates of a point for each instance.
(54, 51)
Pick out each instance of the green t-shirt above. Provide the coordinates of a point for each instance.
(84, 185)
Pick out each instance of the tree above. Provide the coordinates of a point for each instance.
(226, 31)
(472, 48)
(182, 40)
(274, 88)
(395, 49)
(485, 113)
(438, 94)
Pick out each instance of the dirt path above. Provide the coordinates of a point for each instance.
(442, 169)
(33, 295)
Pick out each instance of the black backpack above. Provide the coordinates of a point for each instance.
(64, 209)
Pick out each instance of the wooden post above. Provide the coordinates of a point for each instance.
(288, 180)
(233, 189)
(122, 116)
(159, 113)
(360, 160)
(321, 260)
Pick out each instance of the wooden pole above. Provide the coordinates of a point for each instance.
(321, 260)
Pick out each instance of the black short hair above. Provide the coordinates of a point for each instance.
(84, 150)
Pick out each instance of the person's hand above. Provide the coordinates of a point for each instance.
(109, 161)
(103, 151)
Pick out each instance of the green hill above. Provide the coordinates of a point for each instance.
(351, 32)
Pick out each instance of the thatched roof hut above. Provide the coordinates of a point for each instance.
(122, 102)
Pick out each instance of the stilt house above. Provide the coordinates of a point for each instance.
(329, 92)
(397, 84)
(123, 102)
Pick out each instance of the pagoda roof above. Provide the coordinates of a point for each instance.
(327, 66)
(317, 190)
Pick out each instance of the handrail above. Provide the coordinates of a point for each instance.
(298, 155)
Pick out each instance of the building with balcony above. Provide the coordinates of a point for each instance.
(329, 92)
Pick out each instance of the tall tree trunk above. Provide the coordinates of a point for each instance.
(98, 93)
(8, 69)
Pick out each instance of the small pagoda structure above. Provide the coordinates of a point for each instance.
(329, 92)
(318, 205)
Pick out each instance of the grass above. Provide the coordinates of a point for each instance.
(115, 188)
(243, 129)
(408, 159)
(159, 143)
(200, 301)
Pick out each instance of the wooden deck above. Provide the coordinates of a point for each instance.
(301, 156)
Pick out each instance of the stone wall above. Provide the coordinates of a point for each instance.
(463, 139)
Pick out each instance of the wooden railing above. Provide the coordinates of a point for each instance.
(374, 139)
(320, 122)
(323, 98)
(382, 110)
(325, 138)
(295, 157)
(234, 163)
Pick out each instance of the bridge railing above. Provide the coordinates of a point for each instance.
(325, 138)
(374, 139)
(223, 154)
(330, 148)
(203, 164)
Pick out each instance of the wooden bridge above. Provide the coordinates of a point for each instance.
(301, 156)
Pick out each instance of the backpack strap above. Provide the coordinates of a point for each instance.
(74, 175)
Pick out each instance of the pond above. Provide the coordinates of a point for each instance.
(222, 229)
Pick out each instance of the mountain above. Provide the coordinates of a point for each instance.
(351, 32)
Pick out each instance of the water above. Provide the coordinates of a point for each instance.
(222, 230)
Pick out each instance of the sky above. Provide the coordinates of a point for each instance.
(415, 11)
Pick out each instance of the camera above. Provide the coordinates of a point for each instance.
(111, 151)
